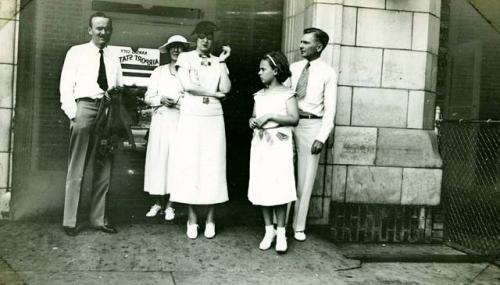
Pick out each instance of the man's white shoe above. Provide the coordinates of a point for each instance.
(268, 239)
(281, 244)
(169, 214)
(209, 230)
(192, 231)
(153, 211)
(300, 236)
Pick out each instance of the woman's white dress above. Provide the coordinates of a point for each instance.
(162, 130)
(272, 180)
(199, 176)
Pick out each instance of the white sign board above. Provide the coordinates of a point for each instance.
(137, 66)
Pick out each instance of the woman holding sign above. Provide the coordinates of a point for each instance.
(163, 94)
(199, 176)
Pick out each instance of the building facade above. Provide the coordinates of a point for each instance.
(383, 150)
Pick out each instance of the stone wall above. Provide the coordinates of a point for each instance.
(383, 149)
(9, 19)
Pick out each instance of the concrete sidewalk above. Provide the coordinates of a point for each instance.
(40, 253)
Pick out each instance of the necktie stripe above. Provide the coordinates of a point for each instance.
(301, 87)
(101, 78)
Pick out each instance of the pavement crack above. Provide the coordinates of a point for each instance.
(350, 268)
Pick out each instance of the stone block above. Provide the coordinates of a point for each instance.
(8, 9)
(354, 145)
(404, 69)
(298, 29)
(319, 211)
(407, 148)
(336, 182)
(4, 169)
(364, 3)
(329, 19)
(425, 33)
(319, 185)
(344, 99)
(329, 1)
(349, 19)
(327, 54)
(6, 84)
(431, 72)
(336, 58)
(421, 106)
(285, 37)
(421, 186)
(430, 6)
(309, 16)
(5, 127)
(385, 29)
(375, 107)
(374, 185)
(4, 203)
(7, 38)
(360, 66)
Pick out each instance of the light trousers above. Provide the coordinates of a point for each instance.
(83, 153)
(307, 165)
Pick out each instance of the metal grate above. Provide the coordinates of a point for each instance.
(367, 223)
(471, 184)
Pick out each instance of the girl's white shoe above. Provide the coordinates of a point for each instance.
(209, 230)
(268, 239)
(192, 231)
(281, 244)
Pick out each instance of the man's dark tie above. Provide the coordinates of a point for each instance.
(301, 87)
(101, 78)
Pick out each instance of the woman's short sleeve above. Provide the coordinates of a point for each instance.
(183, 61)
(288, 94)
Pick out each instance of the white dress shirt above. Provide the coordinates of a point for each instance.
(321, 94)
(80, 72)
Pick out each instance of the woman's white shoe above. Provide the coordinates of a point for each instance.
(268, 239)
(192, 231)
(169, 214)
(153, 211)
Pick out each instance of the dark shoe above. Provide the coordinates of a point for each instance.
(107, 229)
(70, 231)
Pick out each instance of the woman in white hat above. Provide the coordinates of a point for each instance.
(163, 94)
(199, 177)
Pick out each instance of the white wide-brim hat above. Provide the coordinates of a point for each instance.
(171, 40)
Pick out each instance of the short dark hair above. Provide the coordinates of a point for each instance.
(320, 36)
(278, 61)
(100, 15)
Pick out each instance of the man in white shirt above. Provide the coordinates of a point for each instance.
(90, 70)
(315, 83)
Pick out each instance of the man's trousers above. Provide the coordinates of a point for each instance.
(307, 165)
(82, 154)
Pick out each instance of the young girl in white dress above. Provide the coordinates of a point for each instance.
(163, 94)
(272, 182)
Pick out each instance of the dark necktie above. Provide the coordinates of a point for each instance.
(301, 87)
(101, 78)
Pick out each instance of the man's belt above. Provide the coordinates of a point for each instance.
(87, 99)
(305, 115)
